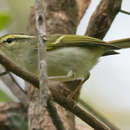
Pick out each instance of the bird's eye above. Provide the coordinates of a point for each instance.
(10, 40)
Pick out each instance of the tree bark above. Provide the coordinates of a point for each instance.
(103, 17)
(61, 17)
(82, 6)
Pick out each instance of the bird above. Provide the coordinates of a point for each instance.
(69, 57)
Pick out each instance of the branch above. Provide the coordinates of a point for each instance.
(125, 12)
(103, 17)
(45, 94)
(54, 115)
(57, 94)
(13, 86)
(18, 71)
(41, 33)
(97, 115)
(82, 7)
(83, 115)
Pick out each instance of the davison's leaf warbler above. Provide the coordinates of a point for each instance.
(69, 57)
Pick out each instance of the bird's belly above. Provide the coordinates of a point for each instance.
(72, 62)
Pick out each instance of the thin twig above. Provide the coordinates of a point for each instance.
(55, 117)
(125, 12)
(41, 31)
(45, 94)
(14, 80)
(21, 95)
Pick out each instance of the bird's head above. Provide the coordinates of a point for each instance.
(15, 44)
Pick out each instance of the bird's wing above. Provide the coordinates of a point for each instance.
(76, 40)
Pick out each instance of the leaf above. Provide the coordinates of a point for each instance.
(4, 19)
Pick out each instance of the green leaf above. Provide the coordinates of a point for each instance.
(4, 19)
(4, 97)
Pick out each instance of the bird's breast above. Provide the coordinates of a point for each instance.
(75, 62)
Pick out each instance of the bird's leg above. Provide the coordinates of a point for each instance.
(63, 78)
(72, 95)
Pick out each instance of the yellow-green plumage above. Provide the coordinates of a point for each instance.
(69, 57)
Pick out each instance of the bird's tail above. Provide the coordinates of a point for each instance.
(121, 43)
